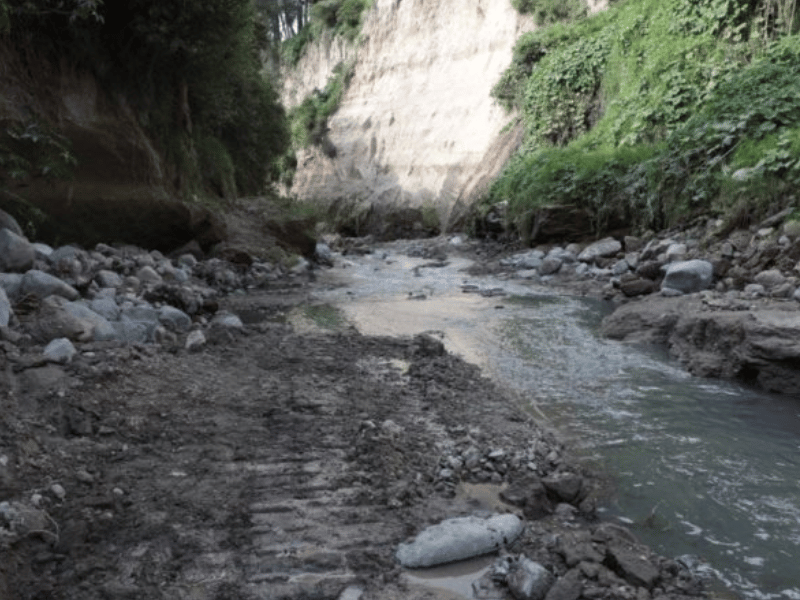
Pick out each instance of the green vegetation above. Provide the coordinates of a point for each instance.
(650, 111)
(547, 12)
(309, 120)
(191, 72)
(331, 17)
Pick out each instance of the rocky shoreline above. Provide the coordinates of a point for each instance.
(155, 444)
(725, 303)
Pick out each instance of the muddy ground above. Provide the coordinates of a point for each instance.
(270, 464)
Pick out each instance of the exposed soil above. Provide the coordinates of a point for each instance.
(263, 466)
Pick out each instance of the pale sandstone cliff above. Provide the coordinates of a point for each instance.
(417, 126)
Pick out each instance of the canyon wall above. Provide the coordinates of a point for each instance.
(417, 126)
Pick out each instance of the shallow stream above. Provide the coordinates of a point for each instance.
(701, 467)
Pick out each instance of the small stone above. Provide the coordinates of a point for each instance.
(118, 492)
(620, 267)
(84, 476)
(754, 290)
(60, 350)
(550, 266)
(108, 279)
(148, 275)
(528, 580)
(58, 491)
(195, 340)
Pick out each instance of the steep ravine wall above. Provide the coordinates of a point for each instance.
(417, 125)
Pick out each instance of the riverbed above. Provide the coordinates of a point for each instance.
(699, 467)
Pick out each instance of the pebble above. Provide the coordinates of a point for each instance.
(58, 491)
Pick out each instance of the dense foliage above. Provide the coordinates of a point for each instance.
(191, 71)
(332, 17)
(656, 110)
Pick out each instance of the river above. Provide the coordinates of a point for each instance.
(699, 467)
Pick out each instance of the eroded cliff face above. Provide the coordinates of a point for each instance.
(417, 126)
(122, 189)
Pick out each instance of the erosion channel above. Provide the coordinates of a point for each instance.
(697, 467)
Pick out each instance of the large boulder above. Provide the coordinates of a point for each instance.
(41, 285)
(457, 539)
(600, 249)
(760, 346)
(688, 276)
(17, 254)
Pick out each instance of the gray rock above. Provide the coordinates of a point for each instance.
(10, 223)
(637, 287)
(108, 279)
(65, 254)
(457, 539)
(792, 229)
(550, 265)
(565, 486)
(782, 291)
(105, 307)
(5, 309)
(582, 269)
(41, 285)
(602, 248)
(59, 350)
(323, 253)
(770, 278)
(688, 276)
(631, 561)
(187, 260)
(148, 275)
(620, 267)
(101, 328)
(528, 580)
(670, 292)
(754, 290)
(195, 340)
(43, 251)
(54, 320)
(174, 319)
(568, 587)
(133, 332)
(676, 252)
(577, 548)
(632, 243)
(16, 252)
(11, 283)
(226, 320)
(563, 254)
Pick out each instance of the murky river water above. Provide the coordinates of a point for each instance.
(701, 467)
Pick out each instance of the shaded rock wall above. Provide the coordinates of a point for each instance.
(417, 126)
(122, 190)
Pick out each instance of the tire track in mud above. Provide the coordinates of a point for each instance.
(255, 469)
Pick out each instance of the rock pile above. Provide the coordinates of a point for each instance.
(51, 299)
(763, 261)
(725, 305)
